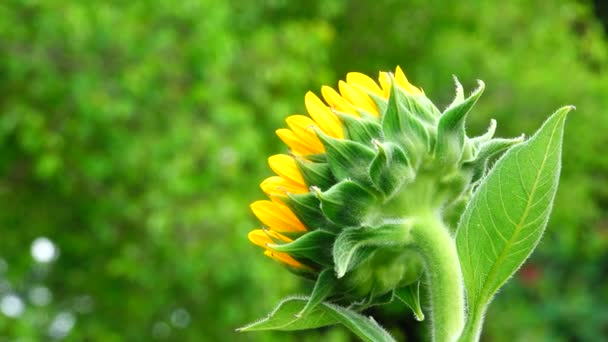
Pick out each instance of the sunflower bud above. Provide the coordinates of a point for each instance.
(368, 160)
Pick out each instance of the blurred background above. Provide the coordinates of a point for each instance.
(133, 136)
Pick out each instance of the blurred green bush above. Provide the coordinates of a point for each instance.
(134, 136)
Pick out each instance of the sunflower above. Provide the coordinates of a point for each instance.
(358, 98)
(372, 169)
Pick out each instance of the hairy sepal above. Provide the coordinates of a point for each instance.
(307, 208)
(347, 159)
(346, 203)
(361, 130)
(390, 169)
(403, 128)
(351, 243)
(450, 142)
(315, 246)
(316, 174)
(410, 296)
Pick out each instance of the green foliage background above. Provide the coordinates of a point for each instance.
(135, 134)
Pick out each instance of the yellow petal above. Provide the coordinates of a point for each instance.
(324, 118)
(364, 81)
(284, 258)
(385, 82)
(302, 127)
(358, 98)
(276, 216)
(264, 237)
(289, 215)
(259, 237)
(278, 186)
(296, 145)
(286, 167)
(336, 101)
(404, 83)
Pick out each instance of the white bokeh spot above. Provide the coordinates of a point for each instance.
(12, 306)
(43, 250)
(62, 325)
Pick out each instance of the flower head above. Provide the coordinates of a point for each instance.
(368, 157)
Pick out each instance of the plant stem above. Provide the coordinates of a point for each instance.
(472, 329)
(445, 283)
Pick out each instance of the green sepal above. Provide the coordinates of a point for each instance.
(390, 169)
(360, 130)
(316, 174)
(347, 159)
(294, 235)
(379, 269)
(487, 136)
(487, 151)
(410, 296)
(380, 102)
(383, 299)
(450, 130)
(459, 93)
(400, 126)
(421, 107)
(317, 158)
(283, 317)
(346, 203)
(373, 299)
(472, 145)
(351, 241)
(315, 246)
(307, 273)
(307, 208)
(324, 287)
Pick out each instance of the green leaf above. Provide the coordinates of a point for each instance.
(507, 215)
(316, 246)
(410, 296)
(353, 241)
(284, 318)
(346, 203)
